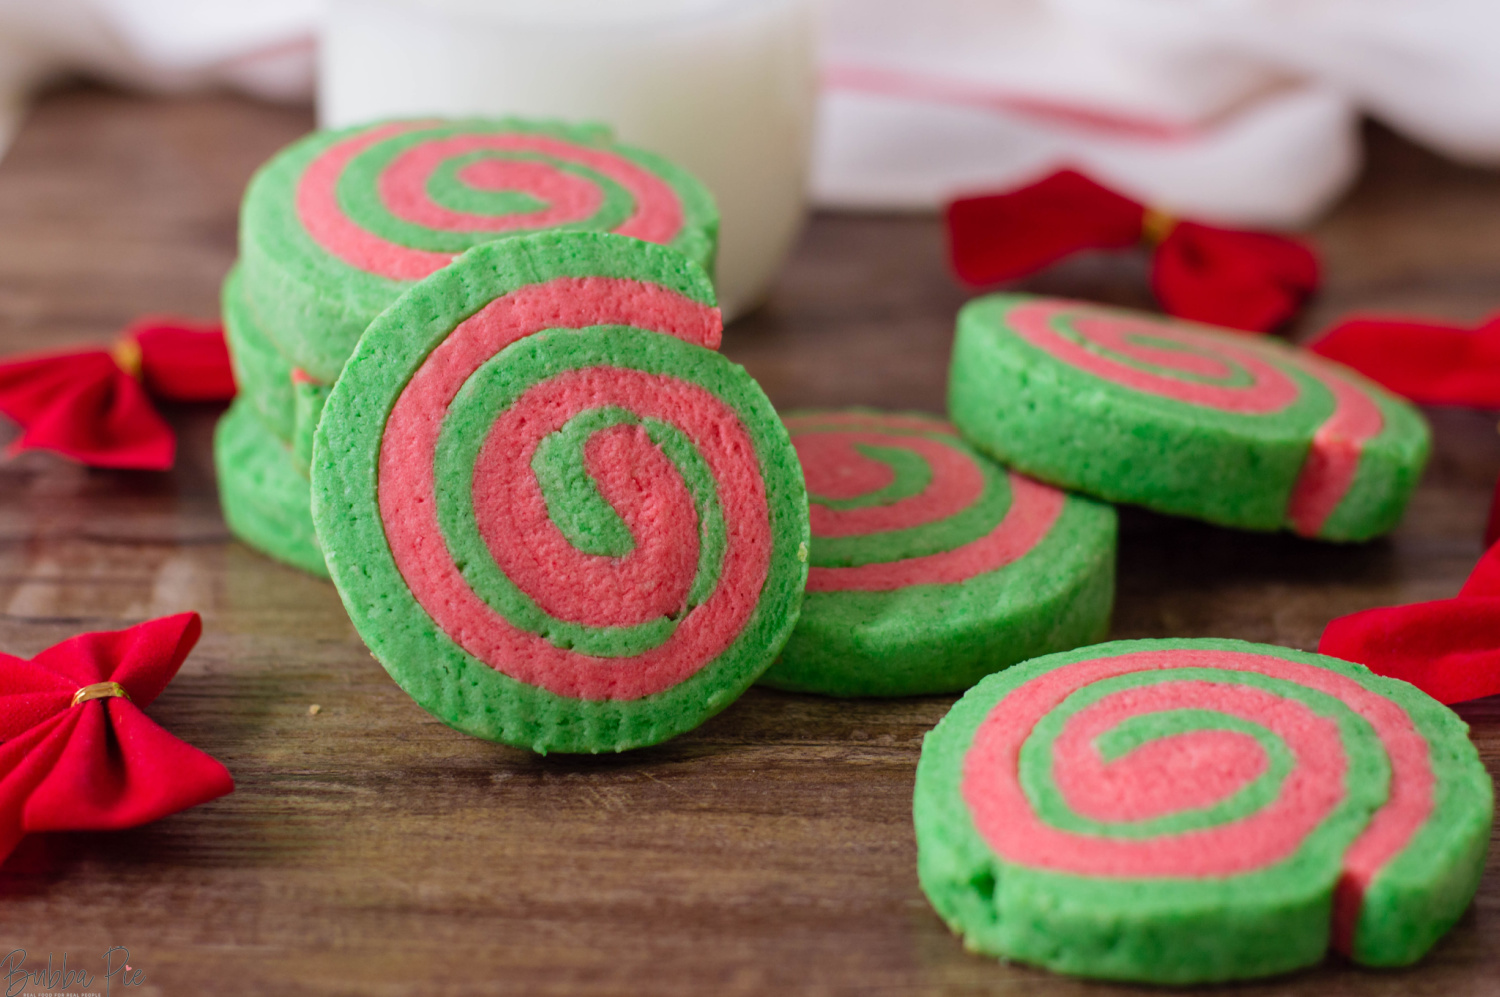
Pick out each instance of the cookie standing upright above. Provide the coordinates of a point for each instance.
(931, 565)
(1183, 418)
(338, 225)
(556, 515)
(1186, 811)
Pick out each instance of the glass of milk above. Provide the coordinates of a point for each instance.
(725, 88)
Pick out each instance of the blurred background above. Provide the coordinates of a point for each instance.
(1241, 111)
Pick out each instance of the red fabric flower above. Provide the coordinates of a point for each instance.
(1243, 280)
(95, 405)
(77, 753)
(1450, 648)
(1429, 362)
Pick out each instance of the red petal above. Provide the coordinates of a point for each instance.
(1254, 281)
(997, 237)
(29, 694)
(17, 675)
(19, 712)
(1484, 580)
(142, 658)
(183, 360)
(24, 763)
(85, 407)
(1450, 649)
(119, 769)
(28, 384)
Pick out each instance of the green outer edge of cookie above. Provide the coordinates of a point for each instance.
(962, 876)
(315, 306)
(308, 399)
(490, 391)
(266, 504)
(444, 679)
(261, 373)
(1064, 426)
(1406, 912)
(1057, 597)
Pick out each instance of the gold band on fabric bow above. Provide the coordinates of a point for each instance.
(100, 690)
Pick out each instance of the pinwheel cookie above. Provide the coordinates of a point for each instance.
(1183, 418)
(556, 515)
(1184, 811)
(338, 225)
(931, 565)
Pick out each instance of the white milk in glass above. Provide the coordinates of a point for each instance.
(725, 88)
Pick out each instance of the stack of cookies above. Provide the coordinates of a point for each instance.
(337, 226)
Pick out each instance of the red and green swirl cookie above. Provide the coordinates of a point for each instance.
(556, 515)
(1185, 811)
(1183, 418)
(931, 565)
(338, 225)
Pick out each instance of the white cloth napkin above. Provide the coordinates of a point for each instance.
(1244, 111)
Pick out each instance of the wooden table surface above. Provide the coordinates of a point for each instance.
(368, 849)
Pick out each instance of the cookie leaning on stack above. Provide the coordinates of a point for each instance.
(557, 516)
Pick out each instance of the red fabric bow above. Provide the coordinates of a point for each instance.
(77, 753)
(1428, 362)
(1243, 280)
(1450, 648)
(95, 405)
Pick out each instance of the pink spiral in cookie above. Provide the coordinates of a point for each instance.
(1191, 770)
(522, 162)
(1215, 370)
(837, 470)
(631, 473)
